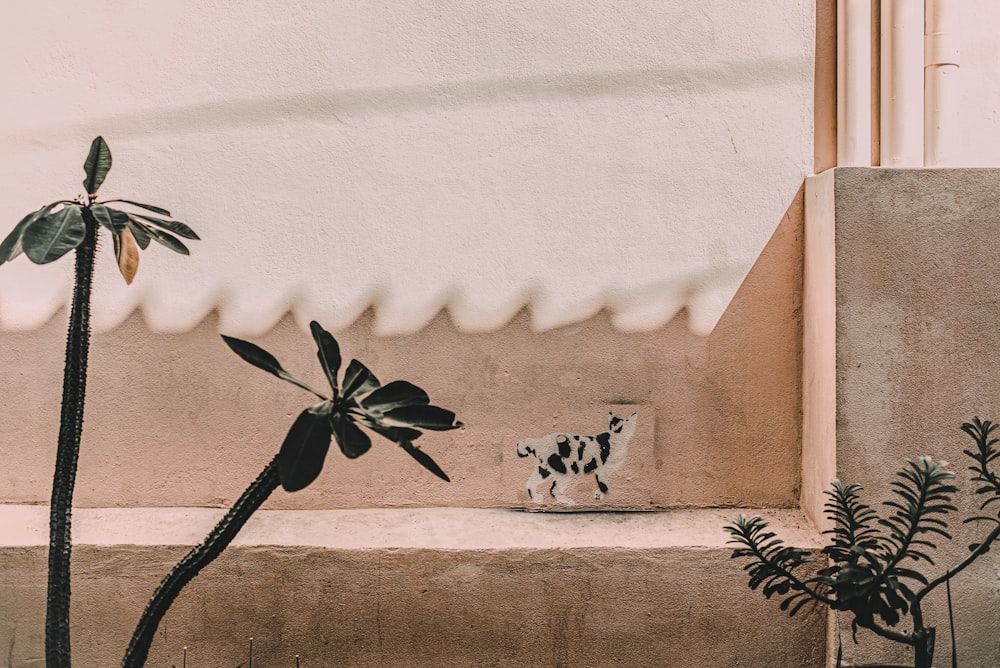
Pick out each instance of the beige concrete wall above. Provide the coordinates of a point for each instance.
(178, 419)
(917, 312)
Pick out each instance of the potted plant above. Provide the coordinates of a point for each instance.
(870, 555)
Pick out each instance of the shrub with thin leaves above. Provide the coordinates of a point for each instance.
(872, 557)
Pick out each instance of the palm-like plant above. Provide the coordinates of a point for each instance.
(869, 555)
(396, 411)
(55, 229)
(44, 236)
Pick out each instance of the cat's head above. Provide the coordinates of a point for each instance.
(620, 428)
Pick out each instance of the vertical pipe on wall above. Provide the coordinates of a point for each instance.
(942, 139)
(902, 92)
(854, 101)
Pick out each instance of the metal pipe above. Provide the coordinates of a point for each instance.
(942, 133)
(902, 83)
(854, 100)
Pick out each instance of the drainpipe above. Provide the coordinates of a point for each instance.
(902, 85)
(942, 137)
(854, 99)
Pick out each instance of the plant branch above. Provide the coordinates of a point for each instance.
(980, 550)
(897, 636)
(195, 560)
(57, 632)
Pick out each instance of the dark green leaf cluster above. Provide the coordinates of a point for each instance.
(773, 563)
(867, 575)
(55, 229)
(397, 411)
(869, 555)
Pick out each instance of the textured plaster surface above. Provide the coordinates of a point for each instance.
(463, 601)
(569, 155)
(179, 420)
(918, 301)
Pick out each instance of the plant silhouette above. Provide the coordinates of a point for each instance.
(396, 411)
(44, 236)
(870, 554)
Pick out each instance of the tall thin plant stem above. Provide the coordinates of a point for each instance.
(57, 635)
(195, 560)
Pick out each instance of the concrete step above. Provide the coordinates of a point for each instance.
(427, 587)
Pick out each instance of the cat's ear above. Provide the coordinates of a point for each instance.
(632, 416)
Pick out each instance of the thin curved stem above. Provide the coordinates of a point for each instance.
(951, 625)
(889, 634)
(57, 634)
(195, 560)
(947, 575)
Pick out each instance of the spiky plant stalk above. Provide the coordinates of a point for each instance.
(194, 561)
(44, 236)
(396, 411)
(57, 639)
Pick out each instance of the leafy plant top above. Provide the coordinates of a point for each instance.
(872, 556)
(396, 411)
(55, 229)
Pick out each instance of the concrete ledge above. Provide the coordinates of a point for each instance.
(420, 528)
(434, 588)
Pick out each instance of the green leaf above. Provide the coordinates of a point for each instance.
(262, 359)
(175, 226)
(50, 237)
(424, 459)
(119, 219)
(167, 240)
(12, 246)
(303, 452)
(352, 441)
(97, 165)
(109, 218)
(147, 207)
(394, 395)
(328, 352)
(141, 235)
(358, 380)
(422, 417)
(394, 434)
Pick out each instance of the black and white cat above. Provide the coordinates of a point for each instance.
(565, 458)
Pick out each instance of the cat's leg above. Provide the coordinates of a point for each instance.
(602, 488)
(538, 476)
(561, 488)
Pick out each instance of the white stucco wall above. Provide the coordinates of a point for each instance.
(980, 105)
(470, 155)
